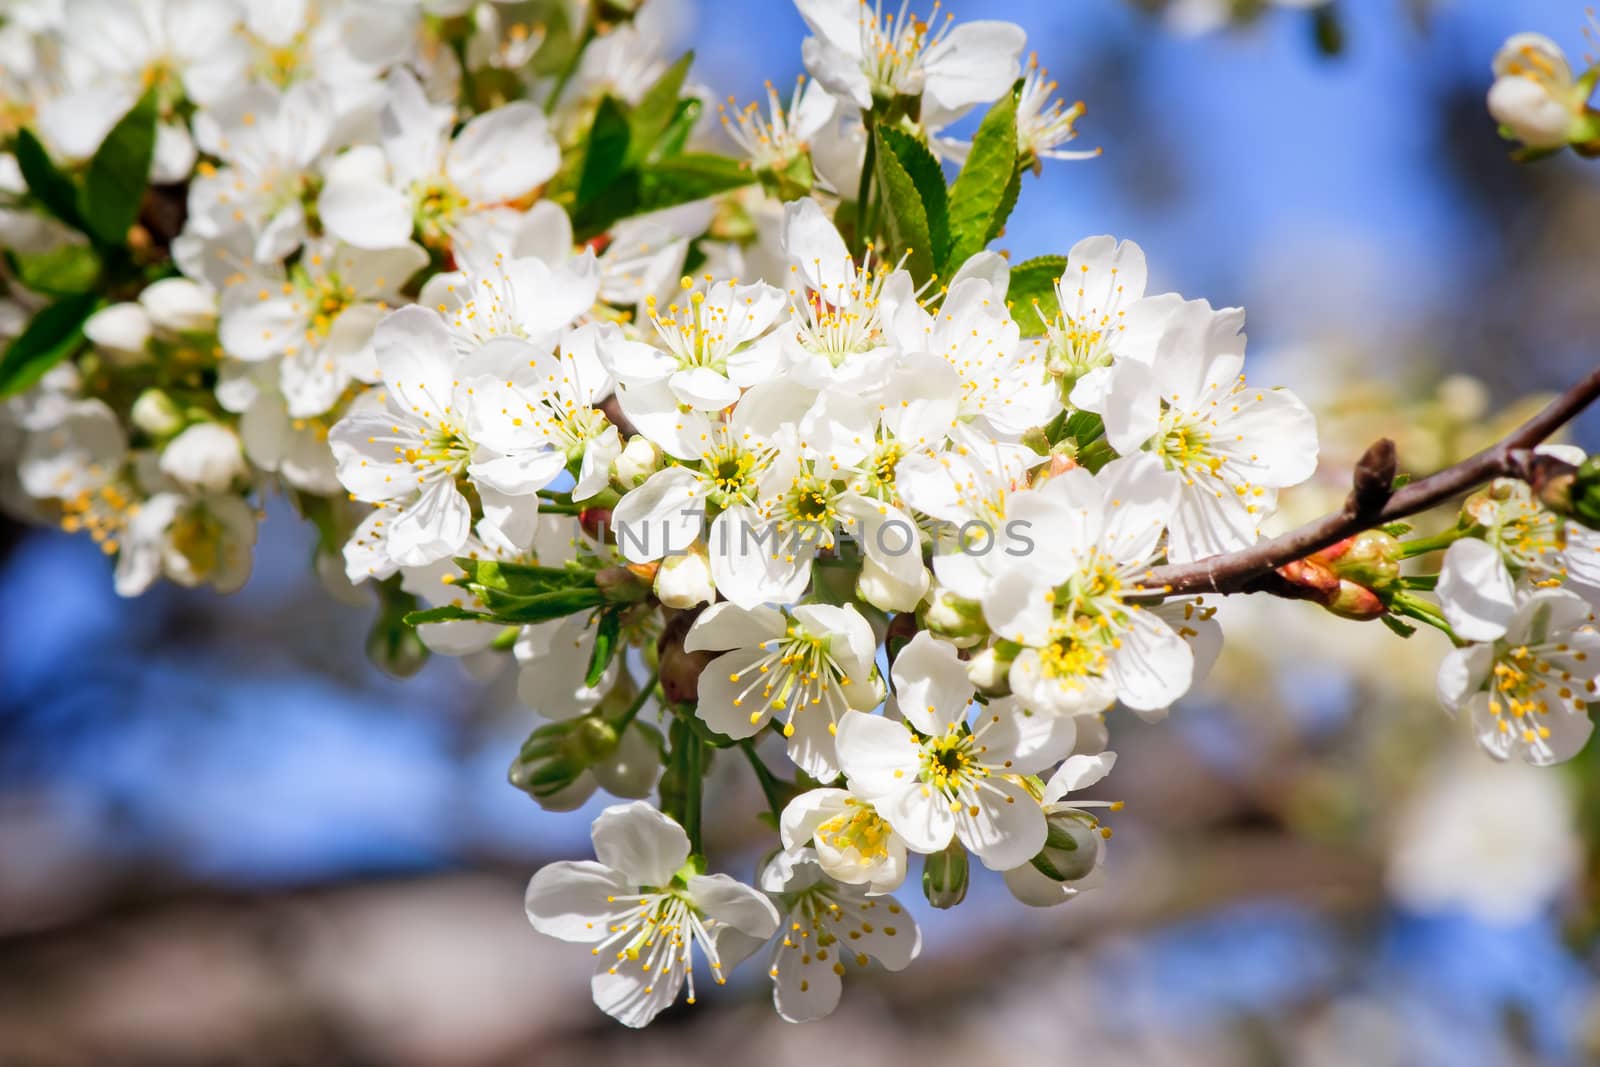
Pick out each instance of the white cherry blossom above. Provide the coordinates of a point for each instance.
(808, 667)
(646, 912)
(825, 927)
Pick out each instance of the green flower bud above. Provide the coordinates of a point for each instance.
(944, 876)
(155, 413)
(639, 459)
(1582, 494)
(952, 617)
(556, 754)
(1072, 848)
(1370, 559)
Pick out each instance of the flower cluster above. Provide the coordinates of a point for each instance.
(760, 456)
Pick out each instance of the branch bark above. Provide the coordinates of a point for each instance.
(1371, 503)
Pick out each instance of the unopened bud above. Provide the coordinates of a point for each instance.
(680, 670)
(1357, 602)
(1585, 494)
(596, 523)
(990, 673)
(1371, 558)
(1071, 848)
(886, 591)
(121, 332)
(627, 584)
(684, 581)
(207, 456)
(395, 648)
(944, 876)
(156, 414)
(1535, 98)
(1573, 492)
(961, 621)
(178, 305)
(555, 755)
(639, 459)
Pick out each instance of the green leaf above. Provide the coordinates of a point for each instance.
(655, 111)
(928, 178)
(1034, 303)
(547, 606)
(909, 231)
(52, 336)
(523, 579)
(607, 629)
(55, 190)
(69, 268)
(689, 177)
(114, 188)
(608, 151)
(448, 613)
(986, 189)
(676, 134)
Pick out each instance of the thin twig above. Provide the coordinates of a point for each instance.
(1371, 503)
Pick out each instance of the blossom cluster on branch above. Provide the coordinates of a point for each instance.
(735, 437)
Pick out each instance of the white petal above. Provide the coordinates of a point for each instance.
(878, 755)
(660, 517)
(922, 817)
(1462, 673)
(1475, 590)
(1078, 772)
(504, 153)
(366, 213)
(1006, 830)
(641, 843)
(725, 626)
(931, 684)
(1019, 741)
(569, 900)
(730, 901)
(1154, 666)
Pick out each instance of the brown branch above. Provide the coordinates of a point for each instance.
(1371, 503)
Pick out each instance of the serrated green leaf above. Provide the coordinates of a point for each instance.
(656, 110)
(986, 189)
(689, 177)
(906, 217)
(114, 187)
(606, 632)
(607, 156)
(1034, 303)
(448, 613)
(52, 336)
(57, 192)
(928, 178)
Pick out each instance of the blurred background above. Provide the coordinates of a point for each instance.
(226, 840)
